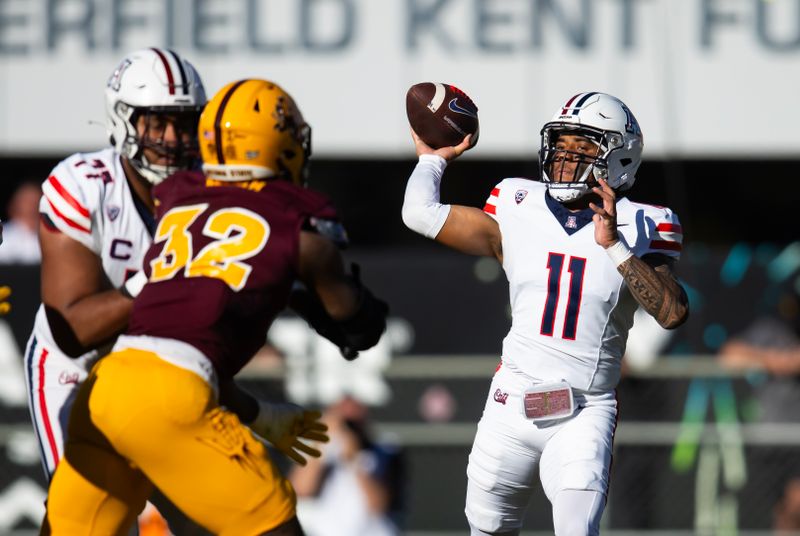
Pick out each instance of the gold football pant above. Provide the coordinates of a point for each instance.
(139, 421)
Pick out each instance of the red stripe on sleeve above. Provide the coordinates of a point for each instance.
(496, 192)
(67, 220)
(490, 209)
(664, 244)
(63, 192)
(669, 228)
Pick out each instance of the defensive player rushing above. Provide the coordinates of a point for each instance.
(229, 244)
(579, 262)
(97, 221)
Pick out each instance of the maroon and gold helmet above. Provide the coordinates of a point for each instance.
(252, 129)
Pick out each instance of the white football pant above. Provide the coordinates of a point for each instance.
(52, 380)
(572, 454)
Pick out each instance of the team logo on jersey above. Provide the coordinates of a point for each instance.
(519, 196)
(66, 378)
(500, 396)
(572, 222)
(113, 211)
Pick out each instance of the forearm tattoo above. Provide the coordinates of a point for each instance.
(657, 291)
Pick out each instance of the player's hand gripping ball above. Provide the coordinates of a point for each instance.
(441, 114)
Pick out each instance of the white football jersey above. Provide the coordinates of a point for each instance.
(87, 197)
(571, 310)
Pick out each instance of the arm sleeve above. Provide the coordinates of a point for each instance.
(666, 237)
(422, 211)
(65, 205)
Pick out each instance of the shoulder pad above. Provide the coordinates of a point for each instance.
(516, 188)
(66, 204)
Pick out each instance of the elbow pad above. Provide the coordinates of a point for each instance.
(422, 211)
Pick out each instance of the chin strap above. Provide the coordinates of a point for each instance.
(576, 191)
(152, 173)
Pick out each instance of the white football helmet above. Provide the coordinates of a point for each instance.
(154, 81)
(609, 124)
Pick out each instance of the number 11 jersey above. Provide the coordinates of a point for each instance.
(571, 309)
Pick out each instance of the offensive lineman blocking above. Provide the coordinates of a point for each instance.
(574, 288)
(97, 220)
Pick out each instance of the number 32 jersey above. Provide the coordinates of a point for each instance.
(571, 309)
(222, 264)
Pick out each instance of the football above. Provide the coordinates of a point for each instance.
(441, 114)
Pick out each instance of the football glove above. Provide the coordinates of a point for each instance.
(310, 308)
(360, 332)
(284, 425)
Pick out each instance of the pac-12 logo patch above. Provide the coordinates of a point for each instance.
(572, 222)
(112, 211)
(519, 196)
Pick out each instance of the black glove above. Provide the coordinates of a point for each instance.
(306, 304)
(361, 331)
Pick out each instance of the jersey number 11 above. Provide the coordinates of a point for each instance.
(577, 267)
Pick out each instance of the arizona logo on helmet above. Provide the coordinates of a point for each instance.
(632, 125)
(115, 82)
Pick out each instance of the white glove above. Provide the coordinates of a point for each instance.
(283, 425)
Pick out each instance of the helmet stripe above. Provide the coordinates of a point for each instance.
(218, 120)
(170, 79)
(583, 99)
(569, 102)
(185, 84)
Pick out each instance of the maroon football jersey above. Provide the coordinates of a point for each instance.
(222, 264)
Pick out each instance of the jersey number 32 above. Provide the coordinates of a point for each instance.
(239, 235)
